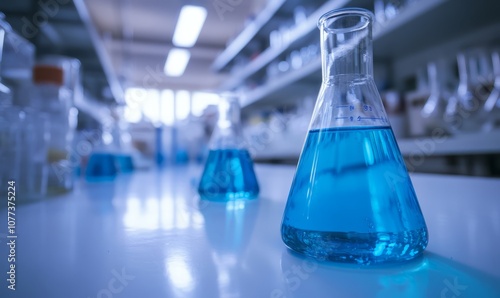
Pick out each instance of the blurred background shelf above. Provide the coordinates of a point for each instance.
(419, 21)
(249, 33)
(66, 29)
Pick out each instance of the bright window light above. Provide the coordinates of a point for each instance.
(189, 24)
(201, 100)
(151, 106)
(134, 97)
(182, 104)
(167, 107)
(132, 114)
(176, 63)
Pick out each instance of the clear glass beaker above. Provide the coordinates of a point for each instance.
(351, 199)
(229, 173)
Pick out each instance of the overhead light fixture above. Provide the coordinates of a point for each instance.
(189, 24)
(176, 63)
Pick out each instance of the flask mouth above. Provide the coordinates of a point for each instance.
(345, 20)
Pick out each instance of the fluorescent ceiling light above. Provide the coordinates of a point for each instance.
(176, 63)
(189, 25)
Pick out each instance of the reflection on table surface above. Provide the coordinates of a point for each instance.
(149, 235)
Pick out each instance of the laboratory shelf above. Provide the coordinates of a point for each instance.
(258, 29)
(463, 144)
(250, 31)
(422, 20)
(282, 88)
(296, 35)
(147, 234)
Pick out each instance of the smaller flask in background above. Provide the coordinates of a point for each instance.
(229, 173)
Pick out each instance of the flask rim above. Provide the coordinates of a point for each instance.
(352, 11)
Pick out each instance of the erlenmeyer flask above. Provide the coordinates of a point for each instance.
(435, 106)
(464, 109)
(351, 199)
(491, 109)
(228, 173)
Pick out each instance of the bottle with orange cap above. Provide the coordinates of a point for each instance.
(50, 96)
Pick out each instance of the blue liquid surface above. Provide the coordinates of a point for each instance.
(101, 167)
(228, 175)
(124, 163)
(352, 200)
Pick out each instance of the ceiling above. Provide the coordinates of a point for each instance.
(137, 35)
(131, 39)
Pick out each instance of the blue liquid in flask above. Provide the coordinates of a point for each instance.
(124, 163)
(228, 175)
(352, 199)
(101, 167)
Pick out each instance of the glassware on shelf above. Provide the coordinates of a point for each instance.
(5, 92)
(228, 173)
(463, 111)
(414, 102)
(351, 199)
(385, 10)
(17, 57)
(491, 109)
(433, 111)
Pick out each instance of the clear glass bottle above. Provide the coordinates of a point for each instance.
(491, 109)
(51, 97)
(229, 172)
(24, 137)
(351, 199)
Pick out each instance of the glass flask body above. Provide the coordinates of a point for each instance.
(491, 109)
(464, 111)
(351, 199)
(433, 112)
(228, 173)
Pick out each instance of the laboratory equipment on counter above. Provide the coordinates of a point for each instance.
(51, 97)
(24, 137)
(351, 199)
(103, 164)
(229, 172)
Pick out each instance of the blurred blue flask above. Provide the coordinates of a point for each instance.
(101, 167)
(228, 173)
(351, 199)
(124, 162)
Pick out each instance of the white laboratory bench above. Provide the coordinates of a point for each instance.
(148, 235)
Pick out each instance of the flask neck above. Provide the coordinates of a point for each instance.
(346, 44)
(474, 68)
(229, 113)
(227, 133)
